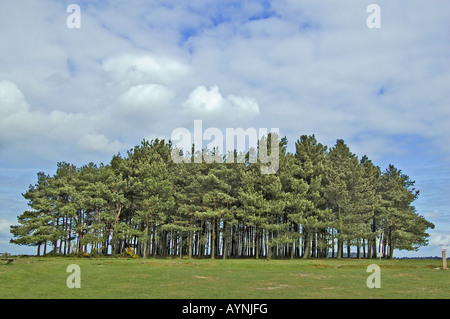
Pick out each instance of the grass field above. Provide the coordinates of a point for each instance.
(111, 278)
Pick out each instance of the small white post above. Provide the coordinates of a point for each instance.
(444, 259)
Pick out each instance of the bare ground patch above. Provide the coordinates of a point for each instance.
(209, 278)
(272, 286)
(313, 276)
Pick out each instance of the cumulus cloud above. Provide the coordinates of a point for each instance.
(144, 89)
(211, 103)
(14, 113)
(145, 99)
(12, 101)
(98, 143)
(39, 132)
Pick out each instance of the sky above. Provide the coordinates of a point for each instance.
(134, 70)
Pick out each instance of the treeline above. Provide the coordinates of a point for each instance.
(319, 202)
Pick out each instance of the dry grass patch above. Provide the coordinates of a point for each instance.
(272, 286)
(313, 276)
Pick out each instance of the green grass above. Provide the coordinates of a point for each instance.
(111, 278)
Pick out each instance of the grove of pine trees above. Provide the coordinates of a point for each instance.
(320, 203)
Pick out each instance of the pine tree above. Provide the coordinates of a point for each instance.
(35, 227)
(150, 192)
(262, 207)
(342, 175)
(370, 202)
(255, 209)
(188, 200)
(67, 204)
(215, 200)
(310, 211)
(401, 226)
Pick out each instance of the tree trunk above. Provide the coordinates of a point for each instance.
(257, 243)
(358, 250)
(181, 244)
(115, 241)
(391, 245)
(332, 243)
(339, 248)
(313, 245)
(190, 236)
(306, 244)
(146, 238)
(213, 237)
(292, 250)
(225, 241)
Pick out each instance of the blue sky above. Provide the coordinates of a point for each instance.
(140, 69)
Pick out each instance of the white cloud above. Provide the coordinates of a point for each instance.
(12, 100)
(144, 89)
(99, 143)
(41, 134)
(212, 104)
(4, 227)
(318, 68)
(440, 238)
(15, 113)
(145, 98)
(135, 69)
(431, 215)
